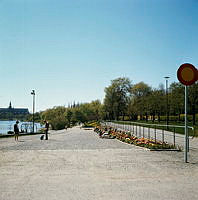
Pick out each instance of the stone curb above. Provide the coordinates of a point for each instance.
(164, 150)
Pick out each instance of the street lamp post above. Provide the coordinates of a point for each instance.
(33, 94)
(167, 107)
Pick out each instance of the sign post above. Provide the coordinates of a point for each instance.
(187, 74)
(186, 126)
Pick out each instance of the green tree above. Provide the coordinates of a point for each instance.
(117, 97)
(96, 106)
(37, 117)
(68, 116)
(156, 103)
(193, 101)
(139, 99)
(56, 117)
(78, 116)
(176, 99)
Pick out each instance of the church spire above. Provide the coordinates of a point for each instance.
(10, 105)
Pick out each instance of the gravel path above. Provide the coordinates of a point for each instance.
(77, 165)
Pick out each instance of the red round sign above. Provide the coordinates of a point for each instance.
(187, 74)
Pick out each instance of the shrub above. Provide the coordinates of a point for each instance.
(58, 123)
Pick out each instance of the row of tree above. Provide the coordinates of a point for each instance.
(60, 117)
(124, 100)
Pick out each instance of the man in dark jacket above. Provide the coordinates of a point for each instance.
(46, 129)
(16, 131)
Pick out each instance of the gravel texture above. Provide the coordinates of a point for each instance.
(77, 165)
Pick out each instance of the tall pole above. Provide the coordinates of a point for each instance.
(33, 110)
(186, 126)
(187, 74)
(33, 93)
(167, 108)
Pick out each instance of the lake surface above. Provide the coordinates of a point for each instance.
(6, 126)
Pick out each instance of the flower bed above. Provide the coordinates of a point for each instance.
(131, 139)
(90, 124)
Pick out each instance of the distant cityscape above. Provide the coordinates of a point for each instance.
(12, 113)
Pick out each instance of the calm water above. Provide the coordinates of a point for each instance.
(6, 126)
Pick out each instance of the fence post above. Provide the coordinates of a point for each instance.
(149, 136)
(133, 129)
(188, 142)
(174, 137)
(163, 135)
(136, 129)
(143, 131)
(140, 131)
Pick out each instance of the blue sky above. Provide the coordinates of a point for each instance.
(69, 50)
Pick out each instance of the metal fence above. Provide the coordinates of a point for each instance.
(151, 131)
(28, 127)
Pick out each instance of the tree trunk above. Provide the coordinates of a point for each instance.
(153, 116)
(193, 112)
(159, 117)
(146, 117)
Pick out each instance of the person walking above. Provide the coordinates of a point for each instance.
(16, 131)
(46, 129)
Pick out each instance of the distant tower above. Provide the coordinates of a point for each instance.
(10, 105)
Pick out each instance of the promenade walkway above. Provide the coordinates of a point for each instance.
(76, 164)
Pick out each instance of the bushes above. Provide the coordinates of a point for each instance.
(56, 117)
(58, 123)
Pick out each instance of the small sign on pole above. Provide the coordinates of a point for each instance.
(187, 74)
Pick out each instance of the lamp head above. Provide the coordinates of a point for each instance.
(33, 92)
(166, 77)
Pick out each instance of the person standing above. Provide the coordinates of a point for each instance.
(16, 131)
(46, 129)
